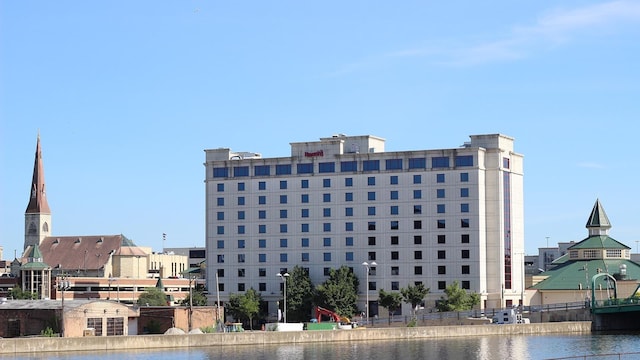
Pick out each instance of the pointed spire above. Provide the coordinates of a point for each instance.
(598, 222)
(38, 200)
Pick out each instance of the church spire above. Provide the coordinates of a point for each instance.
(598, 222)
(38, 200)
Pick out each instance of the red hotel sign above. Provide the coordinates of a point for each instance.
(313, 154)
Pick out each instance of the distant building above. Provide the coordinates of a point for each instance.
(423, 216)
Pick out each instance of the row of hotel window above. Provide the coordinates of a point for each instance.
(349, 226)
(348, 212)
(345, 166)
(327, 256)
(348, 197)
(371, 241)
(348, 182)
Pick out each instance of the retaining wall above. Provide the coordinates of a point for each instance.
(115, 343)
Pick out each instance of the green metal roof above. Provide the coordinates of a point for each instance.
(577, 274)
(599, 242)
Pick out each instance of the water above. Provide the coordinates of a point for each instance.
(482, 347)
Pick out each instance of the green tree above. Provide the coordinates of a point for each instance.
(457, 299)
(300, 295)
(339, 292)
(414, 295)
(152, 297)
(18, 294)
(199, 299)
(244, 306)
(390, 301)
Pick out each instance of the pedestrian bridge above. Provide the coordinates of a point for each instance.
(614, 313)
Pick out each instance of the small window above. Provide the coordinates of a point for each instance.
(371, 210)
(241, 186)
(440, 194)
(348, 226)
(395, 225)
(304, 183)
(371, 180)
(326, 227)
(326, 241)
(283, 214)
(371, 225)
(417, 255)
(220, 215)
(417, 224)
(439, 178)
(395, 255)
(442, 270)
(262, 185)
(372, 240)
(464, 192)
(326, 197)
(304, 242)
(220, 244)
(348, 182)
(393, 180)
(283, 257)
(394, 195)
(326, 212)
(464, 208)
(465, 270)
(305, 257)
(348, 211)
(464, 223)
(464, 177)
(442, 239)
(348, 196)
(262, 199)
(395, 240)
(395, 210)
(348, 241)
(241, 244)
(464, 254)
(326, 183)
(220, 230)
(304, 213)
(465, 284)
(417, 194)
(262, 214)
(304, 198)
(441, 224)
(283, 228)
(326, 256)
(283, 199)
(371, 195)
(262, 243)
(220, 187)
(417, 239)
(417, 179)
(241, 200)
(442, 254)
(417, 209)
(440, 208)
(417, 270)
(283, 243)
(220, 201)
(464, 238)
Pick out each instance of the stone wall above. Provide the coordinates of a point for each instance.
(111, 343)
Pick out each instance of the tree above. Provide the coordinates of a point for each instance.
(457, 299)
(244, 306)
(390, 301)
(300, 295)
(199, 299)
(414, 295)
(339, 292)
(153, 297)
(18, 294)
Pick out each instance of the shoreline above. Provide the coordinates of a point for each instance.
(14, 346)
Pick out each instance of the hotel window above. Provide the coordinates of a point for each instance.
(465, 269)
(394, 195)
(466, 284)
(417, 224)
(220, 187)
(395, 255)
(371, 225)
(371, 195)
(371, 210)
(465, 160)
(348, 241)
(304, 242)
(304, 183)
(262, 243)
(348, 256)
(372, 285)
(395, 240)
(240, 272)
(327, 271)
(326, 227)
(393, 179)
(348, 182)
(395, 225)
(262, 170)
(442, 270)
(505, 163)
(348, 226)
(442, 239)
(220, 259)
(305, 257)
(241, 186)
(439, 178)
(241, 244)
(417, 179)
(417, 209)
(220, 244)
(241, 200)
(283, 169)
(370, 165)
(262, 229)
(464, 192)
(440, 208)
(262, 214)
(262, 199)
(304, 198)
(348, 166)
(417, 270)
(418, 163)
(348, 211)
(464, 254)
(305, 168)
(464, 208)
(393, 164)
(283, 243)
(326, 183)
(417, 194)
(464, 223)
(220, 230)
(417, 255)
(372, 240)
(262, 272)
(283, 184)
(442, 254)
(395, 271)
(240, 171)
(326, 212)
(326, 256)
(241, 215)
(395, 210)
(326, 197)
(283, 257)
(441, 224)
(283, 199)
(417, 239)
(220, 215)
(283, 214)
(220, 201)
(464, 238)
(220, 172)
(221, 287)
(440, 162)
(327, 167)
(283, 228)
(262, 287)
(395, 285)
(440, 193)
(371, 180)
(220, 272)
(262, 185)
(371, 256)
(326, 242)
(240, 229)
(464, 177)
(304, 213)
(348, 196)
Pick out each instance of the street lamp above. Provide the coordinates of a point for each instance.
(367, 265)
(284, 281)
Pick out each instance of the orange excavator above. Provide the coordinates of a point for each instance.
(343, 322)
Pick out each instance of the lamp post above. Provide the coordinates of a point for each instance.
(284, 281)
(367, 266)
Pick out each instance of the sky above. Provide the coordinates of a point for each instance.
(127, 95)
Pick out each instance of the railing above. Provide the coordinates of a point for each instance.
(616, 302)
(619, 356)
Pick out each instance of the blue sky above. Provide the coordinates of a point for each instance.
(127, 95)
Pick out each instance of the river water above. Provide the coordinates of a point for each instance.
(520, 347)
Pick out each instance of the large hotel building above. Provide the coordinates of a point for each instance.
(422, 216)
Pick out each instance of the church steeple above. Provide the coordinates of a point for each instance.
(598, 222)
(37, 218)
(38, 199)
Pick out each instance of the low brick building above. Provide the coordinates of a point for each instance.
(158, 319)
